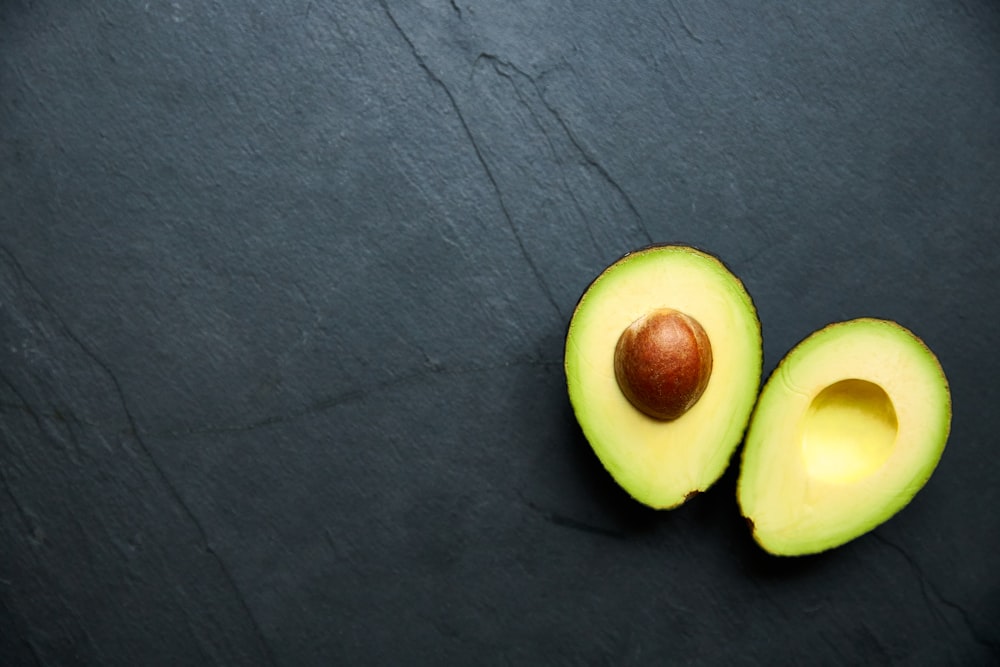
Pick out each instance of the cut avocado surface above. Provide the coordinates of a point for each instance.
(848, 428)
(679, 296)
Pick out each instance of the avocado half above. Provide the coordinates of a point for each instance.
(848, 428)
(662, 462)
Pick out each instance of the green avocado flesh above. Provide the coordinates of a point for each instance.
(847, 429)
(658, 462)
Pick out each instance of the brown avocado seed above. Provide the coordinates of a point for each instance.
(662, 363)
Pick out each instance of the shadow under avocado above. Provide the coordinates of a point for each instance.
(727, 517)
(715, 509)
(629, 516)
(571, 488)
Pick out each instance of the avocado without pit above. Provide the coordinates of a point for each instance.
(663, 362)
(848, 428)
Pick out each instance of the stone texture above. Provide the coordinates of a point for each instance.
(283, 288)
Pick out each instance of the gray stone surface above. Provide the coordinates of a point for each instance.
(283, 288)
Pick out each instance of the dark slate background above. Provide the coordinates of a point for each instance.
(283, 289)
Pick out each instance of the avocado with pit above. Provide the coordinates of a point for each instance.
(848, 428)
(663, 364)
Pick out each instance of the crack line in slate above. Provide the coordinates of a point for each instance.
(344, 397)
(587, 157)
(921, 579)
(927, 588)
(136, 433)
(438, 81)
(595, 164)
(676, 61)
(24, 405)
(687, 28)
(22, 513)
(548, 140)
(54, 416)
(569, 522)
(175, 494)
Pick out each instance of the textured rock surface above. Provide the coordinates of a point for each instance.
(282, 295)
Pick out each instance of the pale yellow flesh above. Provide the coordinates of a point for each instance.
(660, 462)
(848, 428)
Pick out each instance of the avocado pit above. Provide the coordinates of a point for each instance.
(663, 361)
